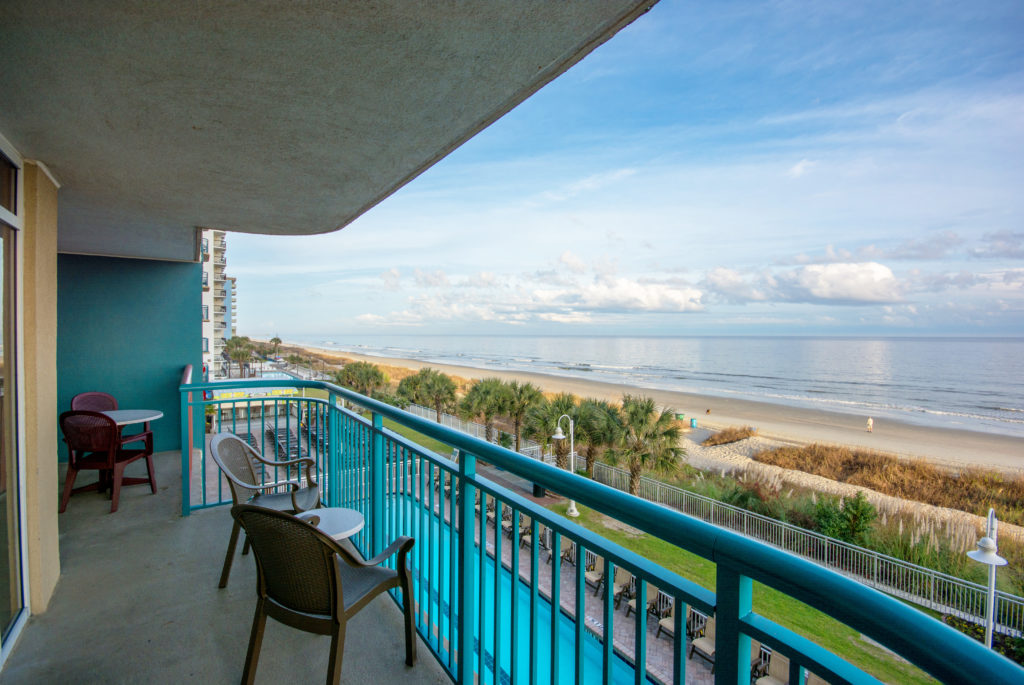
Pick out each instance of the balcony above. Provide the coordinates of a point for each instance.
(486, 598)
(152, 611)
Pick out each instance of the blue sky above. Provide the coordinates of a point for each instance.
(716, 168)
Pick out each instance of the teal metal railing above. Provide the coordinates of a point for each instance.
(491, 608)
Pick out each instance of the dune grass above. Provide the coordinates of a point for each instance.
(731, 434)
(973, 490)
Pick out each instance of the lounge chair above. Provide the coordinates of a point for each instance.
(594, 575)
(704, 646)
(652, 601)
(778, 671)
(623, 586)
(667, 624)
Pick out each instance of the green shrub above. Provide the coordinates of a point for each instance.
(850, 522)
(1010, 647)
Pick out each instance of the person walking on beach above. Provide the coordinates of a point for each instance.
(871, 425)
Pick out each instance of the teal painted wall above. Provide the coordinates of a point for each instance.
(128, 327)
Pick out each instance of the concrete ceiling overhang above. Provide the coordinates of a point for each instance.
(264, 117)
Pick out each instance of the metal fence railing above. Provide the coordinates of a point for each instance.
(918, 584)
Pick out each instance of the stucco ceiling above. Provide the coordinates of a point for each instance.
(265, 117)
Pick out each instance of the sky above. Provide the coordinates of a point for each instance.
(733, 168)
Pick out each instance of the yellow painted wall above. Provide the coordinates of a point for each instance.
(39, 288)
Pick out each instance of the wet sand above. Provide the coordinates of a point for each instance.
(951, 447)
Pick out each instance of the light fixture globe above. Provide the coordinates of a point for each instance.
(559, 435)
(986, 553)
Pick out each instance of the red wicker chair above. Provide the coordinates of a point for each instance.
(101, 401)
(308, 581)
(95, 443)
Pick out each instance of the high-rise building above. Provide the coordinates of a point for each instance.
(218, 303)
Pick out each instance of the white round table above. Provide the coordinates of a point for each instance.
(125, 417)
(338, 522)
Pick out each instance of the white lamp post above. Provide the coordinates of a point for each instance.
(559, 435)
(986, 554)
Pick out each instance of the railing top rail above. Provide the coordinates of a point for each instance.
(939, 649)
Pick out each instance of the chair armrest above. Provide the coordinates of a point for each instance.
(401, 544)
(136, 437)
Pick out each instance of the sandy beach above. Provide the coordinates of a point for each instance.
(776, 424)
(950, 447)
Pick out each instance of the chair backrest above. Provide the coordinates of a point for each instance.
(294, 560)
(778, 667)
(93, 401)
(709, 629)
(622, 575)
(234, 457)
(89, 431)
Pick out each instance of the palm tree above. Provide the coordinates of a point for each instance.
(647, 441)
(429, 387)
(598, 426)
(485, 400)
(238, 349)
(542, 419)
(276, 342)
(363, 377)
(519, 398)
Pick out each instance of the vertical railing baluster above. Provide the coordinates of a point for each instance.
(581, 612)
(186, 455)
(499, 564)
(514, 599)
(377, 489)
(639, 637)
(609, 623)
(679, 643)
(732, 647)
(534, 601)
(467, 543)
(556, 601)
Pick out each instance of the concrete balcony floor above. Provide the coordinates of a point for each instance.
(137, 602)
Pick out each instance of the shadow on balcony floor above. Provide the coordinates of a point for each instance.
(137, 602)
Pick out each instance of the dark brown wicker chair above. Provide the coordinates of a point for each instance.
(102, 401)
(308, 581)
(93, 401)
(242, 466)
(95, 443)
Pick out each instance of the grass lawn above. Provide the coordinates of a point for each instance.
(784, 610)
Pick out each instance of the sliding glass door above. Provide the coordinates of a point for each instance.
(11, 595)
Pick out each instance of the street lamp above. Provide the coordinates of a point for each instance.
(986, 554)
(559, 435)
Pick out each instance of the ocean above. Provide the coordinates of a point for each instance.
(968, 383)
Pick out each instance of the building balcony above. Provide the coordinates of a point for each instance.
(522, 558)
(152, 611)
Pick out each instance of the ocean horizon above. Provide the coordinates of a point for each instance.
(953, 382)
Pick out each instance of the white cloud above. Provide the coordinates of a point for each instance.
(840, 283)
(572, 262)
(801, 168)
(392, 278)
(431, 279)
